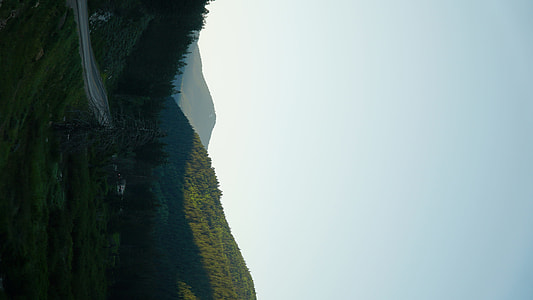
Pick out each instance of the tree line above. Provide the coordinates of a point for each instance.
(175, 242)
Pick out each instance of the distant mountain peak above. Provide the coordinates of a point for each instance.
(194, 98)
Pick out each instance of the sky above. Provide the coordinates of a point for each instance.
(376, 149)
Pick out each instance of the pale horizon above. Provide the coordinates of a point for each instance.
(376, 149)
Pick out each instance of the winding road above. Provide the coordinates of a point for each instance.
(94, 87)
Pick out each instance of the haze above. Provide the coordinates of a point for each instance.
(376, 149)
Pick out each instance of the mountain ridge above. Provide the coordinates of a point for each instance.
(193, 96)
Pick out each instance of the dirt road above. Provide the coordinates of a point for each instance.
(94, 86)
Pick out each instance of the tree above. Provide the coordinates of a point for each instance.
(125, 134)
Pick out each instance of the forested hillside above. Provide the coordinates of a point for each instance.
(192, 232)
(68, 229)
(174, 240)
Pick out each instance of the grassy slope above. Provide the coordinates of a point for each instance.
(52, 239)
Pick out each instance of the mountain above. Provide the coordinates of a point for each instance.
(194, 98)
(197, 256)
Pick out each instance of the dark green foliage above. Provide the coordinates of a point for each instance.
(116, 27)
(52, 214)
(175, 242)
(152, 65)
(187, 9)
(193, 233)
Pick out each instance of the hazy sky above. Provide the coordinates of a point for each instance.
(376, 149)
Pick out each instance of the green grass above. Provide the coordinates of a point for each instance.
(52, 232)
(36, 91)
